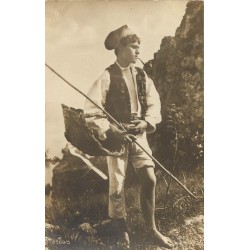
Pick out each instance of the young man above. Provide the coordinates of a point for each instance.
(130, 97)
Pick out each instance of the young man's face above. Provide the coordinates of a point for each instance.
(130, 52)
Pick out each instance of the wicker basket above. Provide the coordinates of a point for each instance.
(83, 138)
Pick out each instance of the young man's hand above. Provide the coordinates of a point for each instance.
(139, 126)
(119, 135)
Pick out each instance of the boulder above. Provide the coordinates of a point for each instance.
(72, 177)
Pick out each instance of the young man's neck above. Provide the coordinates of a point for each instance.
(122, 63)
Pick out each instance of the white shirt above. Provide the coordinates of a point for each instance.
(132, 88)
(98, 93)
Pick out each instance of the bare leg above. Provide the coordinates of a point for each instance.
(147, 199)
(147, 196)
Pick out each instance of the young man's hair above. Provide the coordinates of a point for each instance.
(128, 39)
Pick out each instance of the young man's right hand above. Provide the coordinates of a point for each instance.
(119, 135)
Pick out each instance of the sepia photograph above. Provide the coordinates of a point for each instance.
(124, 124)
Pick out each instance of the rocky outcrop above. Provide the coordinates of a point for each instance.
(72, 177)
(177, 71)
(74, 182)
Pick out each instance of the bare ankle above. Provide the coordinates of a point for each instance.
(151, 229)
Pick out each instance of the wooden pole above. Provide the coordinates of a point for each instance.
(122, 127)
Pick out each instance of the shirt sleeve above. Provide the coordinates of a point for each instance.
(153, 112)
(96, 119)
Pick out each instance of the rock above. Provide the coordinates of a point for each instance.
(47, 242)
(49, 165)
(74, 183)
(104, 228)
(197, 219)
(177, 71)
(86, 228)
(50, 227)
(72, 177)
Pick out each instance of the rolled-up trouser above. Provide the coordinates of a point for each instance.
(117, 171)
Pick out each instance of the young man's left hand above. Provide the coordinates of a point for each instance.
(140, 126)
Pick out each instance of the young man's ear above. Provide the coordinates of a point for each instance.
(118, 48)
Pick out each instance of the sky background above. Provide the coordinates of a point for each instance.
(74, 39)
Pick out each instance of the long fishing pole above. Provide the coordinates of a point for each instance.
(120, 125)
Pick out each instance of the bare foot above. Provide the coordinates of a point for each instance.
(121, 232)
(123, 241)
(161, 239)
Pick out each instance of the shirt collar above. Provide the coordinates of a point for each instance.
(123, 68)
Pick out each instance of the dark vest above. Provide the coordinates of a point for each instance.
(118, 100)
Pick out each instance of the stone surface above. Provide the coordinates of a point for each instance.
(87, 228)
(72, 177)
(177, 71)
